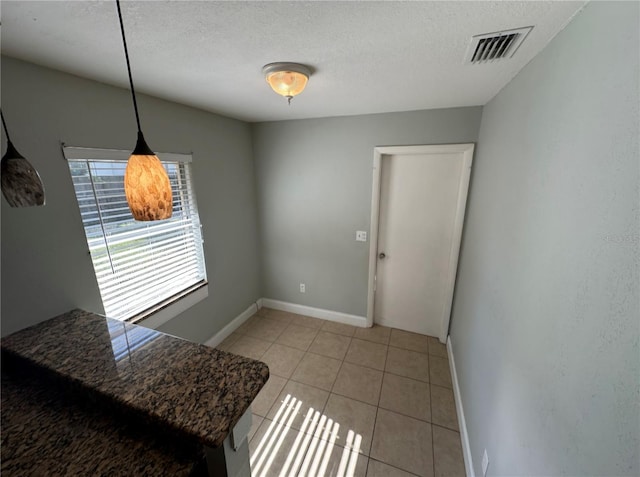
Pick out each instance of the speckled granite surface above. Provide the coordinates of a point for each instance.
(196, 390)
(45, 433)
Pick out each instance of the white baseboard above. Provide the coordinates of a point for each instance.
(221, 335)
(336, 316)
(345, 318)
(466, 449)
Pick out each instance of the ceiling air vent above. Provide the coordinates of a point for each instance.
(495, 46)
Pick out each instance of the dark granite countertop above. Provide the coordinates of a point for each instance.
(45, 432)
(198, 391)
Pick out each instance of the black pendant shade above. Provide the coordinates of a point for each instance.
(21, 184)
(142, 148)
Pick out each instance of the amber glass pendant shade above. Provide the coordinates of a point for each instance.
(21, 184)
(146, 185)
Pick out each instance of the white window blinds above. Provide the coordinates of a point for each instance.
(140, 266)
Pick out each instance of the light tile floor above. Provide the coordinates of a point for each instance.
(347, 401)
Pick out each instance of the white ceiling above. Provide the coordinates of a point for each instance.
(368, 57)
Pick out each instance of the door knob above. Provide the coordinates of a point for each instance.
(382, 255)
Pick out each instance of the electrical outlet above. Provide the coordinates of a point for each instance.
(303, 288)
(485, 463)
(361, 236)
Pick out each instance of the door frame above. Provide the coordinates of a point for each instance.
(378, 154)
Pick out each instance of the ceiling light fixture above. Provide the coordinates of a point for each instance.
(21, 184)
(146, 183)
(287, 79)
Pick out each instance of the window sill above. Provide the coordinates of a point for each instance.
(173, 307)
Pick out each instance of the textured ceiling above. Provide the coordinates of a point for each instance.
(367, 57)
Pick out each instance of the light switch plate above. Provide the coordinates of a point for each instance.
(361, 236)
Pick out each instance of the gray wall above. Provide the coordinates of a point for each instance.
(46, 268)
(546, 315)
(314, 191)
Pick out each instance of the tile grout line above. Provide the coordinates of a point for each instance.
(368, 455)
(375, 421)
(444, 427)
(393, 467)
(337, 374)
(433, 448)
(433, 453)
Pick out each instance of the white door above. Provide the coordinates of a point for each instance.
(422, 197)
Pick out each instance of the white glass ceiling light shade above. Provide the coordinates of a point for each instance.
(146, 183)
(21, 184)
(287, 79)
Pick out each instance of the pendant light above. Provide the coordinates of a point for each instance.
(146, 183)
(286, 79)
(21, 184)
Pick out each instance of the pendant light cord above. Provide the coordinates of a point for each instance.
(126, 54)
(6, 131)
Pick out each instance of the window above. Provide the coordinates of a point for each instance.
(141, 267)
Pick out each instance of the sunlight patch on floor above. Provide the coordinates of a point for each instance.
(311, 452)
